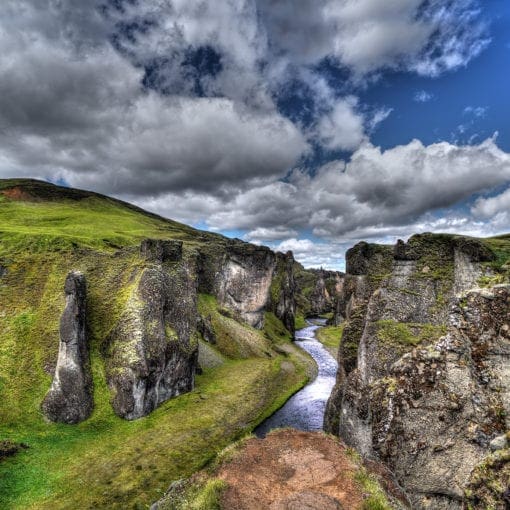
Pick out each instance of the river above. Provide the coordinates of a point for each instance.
(305, 409)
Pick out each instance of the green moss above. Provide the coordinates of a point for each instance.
(500, 246)
(376, 498)
(206, 497)
(488, 483)
(408, 334)
(351, 336)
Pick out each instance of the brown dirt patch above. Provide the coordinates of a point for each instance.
(291, 470)
(17, 194)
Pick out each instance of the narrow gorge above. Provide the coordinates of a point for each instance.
(138, 354)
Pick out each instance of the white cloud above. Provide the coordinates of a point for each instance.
(475, 111)
(422, 96)
(261, 235)
(315, 254)
(369, 35)
(342, 128)
(493, 207)
(376, 191)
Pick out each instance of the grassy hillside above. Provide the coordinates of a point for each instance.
(107, 462)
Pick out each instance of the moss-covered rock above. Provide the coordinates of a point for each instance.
(415, 374)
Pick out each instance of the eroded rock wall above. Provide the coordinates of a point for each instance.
(317, 291)
(153, 350)
(441, 407)
(249, 281)
(283, 291)
(69, 399)
(397, 305)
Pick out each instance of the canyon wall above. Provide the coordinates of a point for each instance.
(151, 353)
(423, 378)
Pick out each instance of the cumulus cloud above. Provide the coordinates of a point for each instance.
(496, 206)
(84, 116)
(341, 128)
(376, 191)
(173, 104)
(367, 35)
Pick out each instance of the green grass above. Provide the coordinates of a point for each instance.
(94, 222)
(274, 330)
(300, 322)
(107, 462)
(330, 337)
(122, 463)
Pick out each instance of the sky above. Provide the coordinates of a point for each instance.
(304, 125)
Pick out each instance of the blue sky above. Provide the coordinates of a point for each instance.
(305, 128)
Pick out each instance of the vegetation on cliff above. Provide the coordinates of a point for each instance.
(48, 231)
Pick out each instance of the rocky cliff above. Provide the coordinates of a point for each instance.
(151, 353)
(69, 400)
(422, 381)
(251, 280)
(318, 291)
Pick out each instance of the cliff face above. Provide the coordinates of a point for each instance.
(318, 291)
(243, 281)
(408, 388)
(151, 353)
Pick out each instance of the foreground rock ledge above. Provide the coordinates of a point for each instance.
(291, 470)
(69, 399)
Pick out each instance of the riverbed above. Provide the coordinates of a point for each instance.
(305, 409)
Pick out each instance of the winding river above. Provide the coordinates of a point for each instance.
(305, 409)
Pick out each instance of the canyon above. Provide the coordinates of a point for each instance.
(134, 349)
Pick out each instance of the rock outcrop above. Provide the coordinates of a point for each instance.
(250, 281)
(69, 399)
(153, 350)
(244, 280)
(422, 382)
(317, 291)
(283, 291)
(290, 470)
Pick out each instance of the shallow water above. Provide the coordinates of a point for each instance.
(305, 410)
